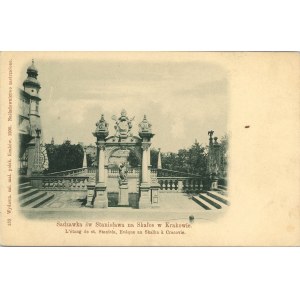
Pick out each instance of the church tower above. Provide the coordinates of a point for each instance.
(31, 88)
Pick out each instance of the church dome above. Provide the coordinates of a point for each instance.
(32, 68)
(31, 79)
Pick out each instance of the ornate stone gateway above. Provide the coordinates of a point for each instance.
(123, 175)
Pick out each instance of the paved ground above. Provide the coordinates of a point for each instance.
(65, 200)
(173, 206)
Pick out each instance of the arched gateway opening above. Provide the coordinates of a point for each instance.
(123, 176)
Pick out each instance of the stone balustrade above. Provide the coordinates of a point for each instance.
(60, 183)
(113, 171)
(71, 180)
(91, 170)
(131, 172)
(181, 184)
(153, 172)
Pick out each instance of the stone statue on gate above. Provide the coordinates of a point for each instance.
(122, 173)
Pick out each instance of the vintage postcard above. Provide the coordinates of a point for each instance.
(150, 149)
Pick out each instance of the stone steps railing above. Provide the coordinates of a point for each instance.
(73, 172)
(60, 183)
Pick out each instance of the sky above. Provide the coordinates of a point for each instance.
(183, 100)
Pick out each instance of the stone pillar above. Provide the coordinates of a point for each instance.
(90, 195)
(101, 133)
(84, 164)
(155, 195)
(145, 193)
(159, 167)
(149, 164)
(101, 162)
(101, 200)
(180, 186)
(145, 132)
(210, 152)
(145, 155)
(213, 160)
(149, 157)
(106, 173)
(123, 195)
(145, 197)
(214, 182)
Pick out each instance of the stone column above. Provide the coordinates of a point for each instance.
(101, 200)
(101, 159)
(84, 164)
(210, 152)
(101, 133)
(105, 173)
(145, 155)
(217, 163)
(149, 164)
(149, 157)
(213, 160)
(145, 193)
(159, 167)
(145, 132)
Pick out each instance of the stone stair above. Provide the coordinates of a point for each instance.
(212, 200)
(30, 197)
(222, 187)
(222, 190)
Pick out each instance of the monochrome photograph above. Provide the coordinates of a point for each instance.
(121, 135)
(159, 145)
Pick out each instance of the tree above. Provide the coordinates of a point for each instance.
(133, 159)
(197, 159)
(153, 157)
(64, 157)
(169, 161)
(192, 160)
